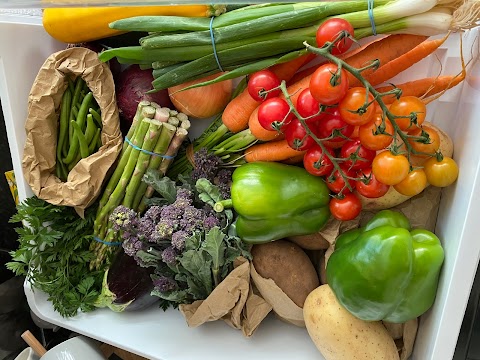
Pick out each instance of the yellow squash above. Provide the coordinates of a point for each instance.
(76, 25)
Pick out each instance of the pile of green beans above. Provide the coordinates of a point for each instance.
(79, 127)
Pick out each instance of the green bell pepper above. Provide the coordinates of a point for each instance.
(274, 201)
(385, 270)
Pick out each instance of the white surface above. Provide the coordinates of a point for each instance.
(164, 335)
(27, 354)
(77, 348)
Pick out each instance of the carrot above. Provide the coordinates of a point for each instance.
(271, 151)
(385, 49)
(428, 89)
(403, 62)
(294, 160)
(259, 132)
(237, 112)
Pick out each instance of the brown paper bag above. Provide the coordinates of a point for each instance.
(281, 304)
(85, 180)
(233, 301)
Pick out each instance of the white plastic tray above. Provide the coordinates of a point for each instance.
(164, 335)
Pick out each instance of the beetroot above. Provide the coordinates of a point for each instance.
(131, 87)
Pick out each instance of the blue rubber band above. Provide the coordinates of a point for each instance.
(106, 242)
(213, 45)
(370, 15)
(168, 157)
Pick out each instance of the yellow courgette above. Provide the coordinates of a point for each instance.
(76, 25)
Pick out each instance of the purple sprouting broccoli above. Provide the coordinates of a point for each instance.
(209, 166)
(123, 218)
(164, 284)
(210, 222)
(206, 165)
(169, 255)
(178, 239)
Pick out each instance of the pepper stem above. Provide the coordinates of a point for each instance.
(222, 205)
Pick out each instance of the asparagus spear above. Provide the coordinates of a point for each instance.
(151, 139)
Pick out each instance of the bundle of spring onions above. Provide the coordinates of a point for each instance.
(152, 142)
(254, 37)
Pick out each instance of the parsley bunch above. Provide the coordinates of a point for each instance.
(54, 254)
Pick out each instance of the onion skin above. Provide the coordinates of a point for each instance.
(202, 102)
(132, 84)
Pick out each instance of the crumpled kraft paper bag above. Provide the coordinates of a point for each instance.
(85, 180)
(281, 304)
(233, 301)
(404, 335)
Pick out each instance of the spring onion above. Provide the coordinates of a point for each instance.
(270, 31)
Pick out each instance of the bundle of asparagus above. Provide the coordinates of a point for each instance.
(152, 141)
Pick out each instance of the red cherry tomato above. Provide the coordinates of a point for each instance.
(336, 182)
(345, 208)
(333, 121)
(308, 107)
(262, 81)
(359, 157)
(274, 114)
(372, 188)
(324, 88)
(297, 137)
(330, 30)
(315, 163)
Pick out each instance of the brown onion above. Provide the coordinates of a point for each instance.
(202, 102)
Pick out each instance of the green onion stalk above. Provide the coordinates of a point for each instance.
(255, 36)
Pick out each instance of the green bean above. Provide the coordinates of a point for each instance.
(81, 140)
(93, 146)
(74, 162)
(74, 111)
(78, 88)
(91, 129)
(71, 85)
(96, 116)
(63, 123)
(82, 111)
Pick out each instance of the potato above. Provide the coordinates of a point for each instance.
(341, 336)
(310, 242)
(392, 197)
(289, 266)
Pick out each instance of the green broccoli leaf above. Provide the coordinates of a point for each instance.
(163, 185)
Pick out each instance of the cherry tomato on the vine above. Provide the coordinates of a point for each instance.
(333, 121)
(405, 106)
(358, 157)
(326, 87)
(441, 173)
(274, 114)
(389, 168)
(329, 30)
(308, 107)
(413, 184)
(352, 107)
(336, 183)
(345, 208)
(433, 144)
(297, 137)
(263, 80)
(366, 134)
(316, 163)
(369, 186)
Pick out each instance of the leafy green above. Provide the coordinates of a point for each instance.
(163, 185)
(54, 254)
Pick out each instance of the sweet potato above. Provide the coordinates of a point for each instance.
(289, 266)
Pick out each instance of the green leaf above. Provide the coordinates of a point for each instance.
(147, 258)
(196, 290)
(163, 185)
(215, 246)
(198, 266)
(85, 285)
(193, 242)
(178, 296)
(17, 267)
